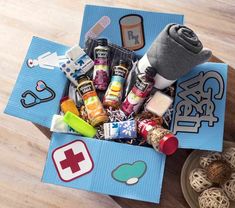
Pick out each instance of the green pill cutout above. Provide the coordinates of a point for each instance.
(129, 173)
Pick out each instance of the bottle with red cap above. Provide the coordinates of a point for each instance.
(161, 139)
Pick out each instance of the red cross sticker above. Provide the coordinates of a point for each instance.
(72, 160)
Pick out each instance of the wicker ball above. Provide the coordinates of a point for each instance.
(213, 198)
(207, 159)
(229, 156)
(218, 172)
(198, 180)
(229, 187)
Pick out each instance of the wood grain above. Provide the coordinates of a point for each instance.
(23, 147)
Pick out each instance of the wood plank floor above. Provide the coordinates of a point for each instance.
(23, 147)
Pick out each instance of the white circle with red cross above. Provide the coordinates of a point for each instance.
(72, 160)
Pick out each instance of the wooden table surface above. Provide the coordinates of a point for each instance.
(23, 146)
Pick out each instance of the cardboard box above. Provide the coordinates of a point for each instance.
(103, 166)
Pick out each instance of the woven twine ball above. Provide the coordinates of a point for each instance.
(207, 159)
(229, 187)
(198, 180)
(218, 172)
(213, 198)
(229, 156)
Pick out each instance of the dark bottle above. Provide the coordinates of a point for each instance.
(101, 72)
(142, 88)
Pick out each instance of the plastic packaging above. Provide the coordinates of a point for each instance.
(101, 74)
(67, 104)
(95, 111)
(162, 140)
(113, 95)
(79, 125)
(142, 88)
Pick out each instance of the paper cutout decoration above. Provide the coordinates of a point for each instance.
(47, 60)
(199, 108)
(98, 27)
(148, 167)
(122, 30)
(72, 160)
(40, 106)
(132, 31)
(129, 173)
(40, 87)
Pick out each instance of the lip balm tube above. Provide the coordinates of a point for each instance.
(79, 125)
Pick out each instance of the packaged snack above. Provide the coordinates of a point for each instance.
(123, 130)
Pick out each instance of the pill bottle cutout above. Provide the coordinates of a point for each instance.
(101, 74)
(94, 108)
(113, 95)
(132, 32)
(142, 88)
(98, 27)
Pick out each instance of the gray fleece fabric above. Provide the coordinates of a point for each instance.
(175, 51)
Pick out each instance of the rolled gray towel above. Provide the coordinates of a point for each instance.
(174, 52)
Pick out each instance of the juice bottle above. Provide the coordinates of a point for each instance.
(113, 95)
(101, 72)
(95, 111)
(142, 88)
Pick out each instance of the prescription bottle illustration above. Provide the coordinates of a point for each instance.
(132, 32)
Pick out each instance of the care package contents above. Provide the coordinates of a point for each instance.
(79, 125)
(101, 74)
(79, 63)
(120, 130)
(142, 88)
(174, 52)
(154, 134)
(113, 95)
(124, 85)
(95, 111)
(159, 103)
(67, 104)
(59, 125)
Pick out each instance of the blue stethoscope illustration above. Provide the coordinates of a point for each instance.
(40, 87)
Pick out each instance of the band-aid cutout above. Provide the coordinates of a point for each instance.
(98, 27)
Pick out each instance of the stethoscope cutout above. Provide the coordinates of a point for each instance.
(40, 87)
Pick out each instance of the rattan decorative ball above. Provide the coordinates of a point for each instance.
(218, 172)
(198, 180)
(213, 198)
(208, 158)
(229, 156)
(229, 187)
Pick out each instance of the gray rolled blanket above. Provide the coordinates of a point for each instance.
(174, 52)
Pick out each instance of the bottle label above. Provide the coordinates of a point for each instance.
(115, 89)
(141, 86)
(145, 126)
(101, 69)
(86, 88)
(101, 53)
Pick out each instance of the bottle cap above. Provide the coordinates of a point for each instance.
(82, 77)
(150, 71)
(102, 42)
(64, 99)
(168, 144)
(123, 62)
(79, 125)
